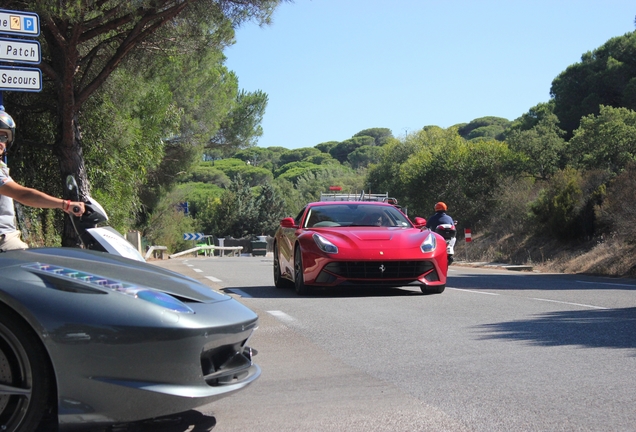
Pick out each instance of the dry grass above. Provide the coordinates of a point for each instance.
(611, 257)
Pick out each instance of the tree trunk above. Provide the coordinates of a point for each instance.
(71, 161)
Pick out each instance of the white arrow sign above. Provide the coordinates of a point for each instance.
(24, 79)
(20, 51)
(19, 23)
(193, 236)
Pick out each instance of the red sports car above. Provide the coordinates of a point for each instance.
(360, 243)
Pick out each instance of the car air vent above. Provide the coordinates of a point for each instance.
(55, 282)
(379, 269)
(64, 276)
(227, 364)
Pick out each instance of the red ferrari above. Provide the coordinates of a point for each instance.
(360, 243)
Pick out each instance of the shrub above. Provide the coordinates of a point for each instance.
(619, 209)
(555, 209)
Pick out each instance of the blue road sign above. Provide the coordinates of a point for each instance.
(29, 24)
(183, 207)
(193, 236)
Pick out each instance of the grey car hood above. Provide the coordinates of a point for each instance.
(114, 267)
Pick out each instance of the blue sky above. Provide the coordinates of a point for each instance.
(332, 68)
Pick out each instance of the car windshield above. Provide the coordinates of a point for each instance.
(351, 214)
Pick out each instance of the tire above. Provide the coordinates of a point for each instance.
(25, 376)
(279, 280)
(299, 281)
(432, 289)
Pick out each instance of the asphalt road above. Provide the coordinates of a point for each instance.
(497, 351)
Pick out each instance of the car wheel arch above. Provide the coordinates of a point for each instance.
(280, 279)
(299, 284)
(29, 347)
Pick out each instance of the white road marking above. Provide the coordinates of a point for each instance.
(568, 303)
(213, 279)
(606, 283)
(198, 270)
(281, 316)
(535, 298)
(473, 291)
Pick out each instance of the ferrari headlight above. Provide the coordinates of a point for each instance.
(429, 243)
(325, 245)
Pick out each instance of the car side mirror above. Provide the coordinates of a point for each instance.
(287, 223)
(419, 222)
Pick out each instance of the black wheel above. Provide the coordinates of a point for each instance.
(432, 289)
(279, 280)
(25, 378)
(299, 281)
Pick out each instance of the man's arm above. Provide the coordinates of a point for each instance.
(35, 198)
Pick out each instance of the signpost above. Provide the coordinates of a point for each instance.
(18, 23)
(468, 235)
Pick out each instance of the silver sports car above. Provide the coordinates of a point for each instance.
(88, 338)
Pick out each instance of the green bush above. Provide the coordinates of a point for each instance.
(168, 224)
(556, 210)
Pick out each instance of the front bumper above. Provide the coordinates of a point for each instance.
(384, 273)
(126, 374)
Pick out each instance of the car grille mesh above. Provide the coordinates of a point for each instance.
(379, 269)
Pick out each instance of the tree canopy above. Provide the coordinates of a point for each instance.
(85, 42)
(604, 76)
(605, 141)
(484, 127)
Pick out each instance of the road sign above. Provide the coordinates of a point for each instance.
(468, 235)
(22, 79)
(20, 51)
(19, 23)
(193, 236)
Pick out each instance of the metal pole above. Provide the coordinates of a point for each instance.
(4, 158)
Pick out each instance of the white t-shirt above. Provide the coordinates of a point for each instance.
(7, 209)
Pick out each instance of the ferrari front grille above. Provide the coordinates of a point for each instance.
(379, 269)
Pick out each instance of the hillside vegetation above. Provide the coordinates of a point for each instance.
(530, 190)
(167, 130)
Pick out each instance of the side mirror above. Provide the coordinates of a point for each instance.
(287, 223)
(420, 222)
(71, 185)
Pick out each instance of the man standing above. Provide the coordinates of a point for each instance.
(10, 191)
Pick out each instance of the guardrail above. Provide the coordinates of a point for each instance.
(234, 250)
(154, 250)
